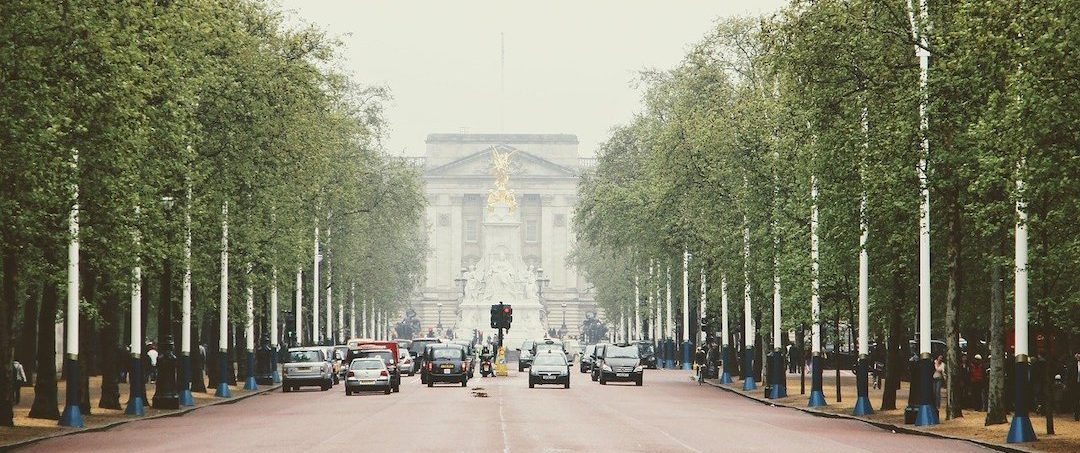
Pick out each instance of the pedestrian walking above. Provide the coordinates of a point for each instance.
(939, 379)
(1072, 383)
(151, 358)
(18, 375)
(977, 377)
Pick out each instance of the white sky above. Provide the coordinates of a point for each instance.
(570, 66)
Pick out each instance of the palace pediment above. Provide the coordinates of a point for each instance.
(523, 164)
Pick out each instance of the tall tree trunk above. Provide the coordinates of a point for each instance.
(953, 378)
(995, 413)
(894, 356)
(26, 350)
(87, 346)
(110, 351)
(8, 303)
(198, 360)
(45, 393)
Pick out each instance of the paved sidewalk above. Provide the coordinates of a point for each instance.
(1065, 440)
(31, 429)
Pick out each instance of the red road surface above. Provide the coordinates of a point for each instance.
(669, 413)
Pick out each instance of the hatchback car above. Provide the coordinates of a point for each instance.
(306, 367)
(387, 356)
(367, 374)
(549, 368)
(445, 363)
(620, 363)
(405, 362)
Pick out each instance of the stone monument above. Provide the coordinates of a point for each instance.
(501, 275)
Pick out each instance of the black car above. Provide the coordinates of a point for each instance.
(416, 349)
(549, 367)
(388, 358)
(445, 363)
(620, 363)
(598, 352)
(470, 355)
(647, 352)
(587, 358)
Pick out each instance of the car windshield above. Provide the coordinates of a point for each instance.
(365, 364)
(386, 356)
(645, 348)
(550, 359)
(446, 353)
(621, 352)
(304, 356)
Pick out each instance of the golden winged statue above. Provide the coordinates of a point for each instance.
(500, 168)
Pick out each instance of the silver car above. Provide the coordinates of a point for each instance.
(549, 367)
(307, 367)
(368, 373)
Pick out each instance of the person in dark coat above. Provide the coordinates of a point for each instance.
(1072, 384)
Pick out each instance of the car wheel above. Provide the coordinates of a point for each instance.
(638, 382)
(430, 384)
(531, 384)
(566, 385)
(285, 389)
(348, 392)
(603, 381)
(386, 391)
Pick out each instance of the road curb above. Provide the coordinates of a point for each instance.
(877, 424)
(107, 426)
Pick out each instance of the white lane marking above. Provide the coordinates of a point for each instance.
(502, 422)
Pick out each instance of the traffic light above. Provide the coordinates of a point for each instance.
(501, 316)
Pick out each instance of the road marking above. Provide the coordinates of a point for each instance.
(502, 422)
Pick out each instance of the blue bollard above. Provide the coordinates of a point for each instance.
(817, 396)
(777, 376)
(275, 375)
(1020, 429)
(669, 354)
(186, 399)
(927, 412)
(72, 416)
(686, 355)
(748, 370)
(249, 382)
(136, 404)
(862, 384)
(725, 376)
(223, 384)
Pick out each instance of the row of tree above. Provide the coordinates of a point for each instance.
(159, 111)
(827, 93)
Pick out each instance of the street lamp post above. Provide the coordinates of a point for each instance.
(165, 395)
(563, 329)
(541, 283)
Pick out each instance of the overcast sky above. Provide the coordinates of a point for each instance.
(570, 66)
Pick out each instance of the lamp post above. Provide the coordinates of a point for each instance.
(137, 398)
(541, 283)
(165, 395)
(563, 329)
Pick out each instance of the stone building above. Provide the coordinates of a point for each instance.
(544, 178)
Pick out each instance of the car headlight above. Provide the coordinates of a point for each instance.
(605, 367)
(639, 368)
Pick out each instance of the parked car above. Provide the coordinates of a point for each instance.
(647, 352)
(386, 352)
(549, 367)
(525, 359)
(620, 363)
(367, 374)
(587, 358)
(445, 363)
(306, 367)
(597, 354)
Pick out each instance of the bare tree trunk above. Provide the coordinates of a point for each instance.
(26, 350)
(953, 378)
(895, 358)
(8, 303)
(110, 352)
(995, 413)
(45, 394)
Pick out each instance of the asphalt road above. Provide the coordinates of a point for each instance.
(669, 413)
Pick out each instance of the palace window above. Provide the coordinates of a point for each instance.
(472, 230)
(532, 230)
